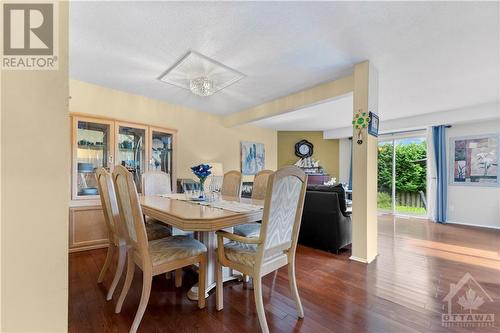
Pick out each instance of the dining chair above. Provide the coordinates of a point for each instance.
(116, 239)
(276, 245)
(259, 189)
(231, 184)
(154, 257)
(156, 183)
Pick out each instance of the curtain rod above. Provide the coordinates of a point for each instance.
(400, 132)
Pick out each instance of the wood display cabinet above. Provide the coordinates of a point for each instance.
(101, 142)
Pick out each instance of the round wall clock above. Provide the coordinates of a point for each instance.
(303, 149)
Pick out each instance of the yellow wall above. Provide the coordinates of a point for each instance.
(326, 151)
(35, 185)
(200, 137)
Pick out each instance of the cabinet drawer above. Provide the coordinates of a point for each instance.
(87, 228)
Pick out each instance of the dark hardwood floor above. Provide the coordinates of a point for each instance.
(401, 291)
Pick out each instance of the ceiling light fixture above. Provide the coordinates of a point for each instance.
(201, 86)
(200, 74)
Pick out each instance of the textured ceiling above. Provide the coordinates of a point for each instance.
(430, 56)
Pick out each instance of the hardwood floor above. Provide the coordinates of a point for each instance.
(401, 291)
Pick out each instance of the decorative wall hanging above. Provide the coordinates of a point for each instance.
(474, 160)
(304, 149)
(252, 157)
(360, 121)
(374, 124)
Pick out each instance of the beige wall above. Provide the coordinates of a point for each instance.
(326, 151)
(200, 137)
(34, 179)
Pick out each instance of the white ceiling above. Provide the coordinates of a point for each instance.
(430, 56)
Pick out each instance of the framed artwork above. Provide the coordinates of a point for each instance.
(246, 189)
(374, 124)
(474, 160)
(252, 157)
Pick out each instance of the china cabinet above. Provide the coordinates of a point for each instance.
(102, 142)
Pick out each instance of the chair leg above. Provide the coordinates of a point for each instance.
(202, 278)
(107, 262)
(257, 291)
(219, 293)
(178, 277)
(122, 255)
(126, 285)
(147, 279)
(293, 287)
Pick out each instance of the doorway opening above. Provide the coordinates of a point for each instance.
(402, 176)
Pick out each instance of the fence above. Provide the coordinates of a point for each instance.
(411, 199)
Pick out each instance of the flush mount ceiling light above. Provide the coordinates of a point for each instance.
(200, 74)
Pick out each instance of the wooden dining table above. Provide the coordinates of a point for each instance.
(204, 221)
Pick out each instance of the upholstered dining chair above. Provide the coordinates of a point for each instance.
(116, 238)
(276, 245)
(259, 189)
(155, 183)
(154, 257)
(231, 184)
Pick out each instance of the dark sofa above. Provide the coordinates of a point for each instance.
(326, 224)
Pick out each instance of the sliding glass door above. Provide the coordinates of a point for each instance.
(402, 168)
(385, 202)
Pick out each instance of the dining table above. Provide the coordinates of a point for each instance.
(204, 219)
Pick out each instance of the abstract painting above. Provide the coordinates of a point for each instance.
(475, 160)
(252, 157)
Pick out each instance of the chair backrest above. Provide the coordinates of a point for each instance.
(259, 187)
(108, 203)
(156, 183)
(231, 184)
(130, 211)
(282, 211)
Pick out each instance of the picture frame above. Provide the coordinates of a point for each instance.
(252, 157)
(373, 126)
(473, 160)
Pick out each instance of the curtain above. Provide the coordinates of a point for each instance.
(439, 145)
(431, 178)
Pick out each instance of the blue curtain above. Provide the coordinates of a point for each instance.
(350, 170)
(439, 142)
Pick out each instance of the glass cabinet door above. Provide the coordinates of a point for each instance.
(131, 150)
(92, 150)
(161, 148)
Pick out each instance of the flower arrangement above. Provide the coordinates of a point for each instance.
(202, 171)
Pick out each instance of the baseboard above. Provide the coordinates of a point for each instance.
(364, 261)
(473, 225)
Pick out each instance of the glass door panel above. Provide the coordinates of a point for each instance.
(92, 152)
(131, 150)
(161, 152)
(385, 176)
(411, 173)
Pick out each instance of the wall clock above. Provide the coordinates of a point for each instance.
(303, 149)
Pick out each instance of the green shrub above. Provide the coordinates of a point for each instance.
(384, 200)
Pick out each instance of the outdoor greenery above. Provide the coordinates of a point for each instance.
(384, 202)
(410, 174)
(410, 167)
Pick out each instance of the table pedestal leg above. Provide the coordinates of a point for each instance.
(210, 241)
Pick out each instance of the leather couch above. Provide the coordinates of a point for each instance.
(326, 225)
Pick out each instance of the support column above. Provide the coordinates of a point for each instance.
(364, 169)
